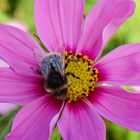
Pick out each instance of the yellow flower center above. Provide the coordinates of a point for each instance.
(80, 74)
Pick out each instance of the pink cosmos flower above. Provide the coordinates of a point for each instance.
(94, 85)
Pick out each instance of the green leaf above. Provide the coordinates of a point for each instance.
(56, 135)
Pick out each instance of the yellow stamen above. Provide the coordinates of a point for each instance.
(80, 74)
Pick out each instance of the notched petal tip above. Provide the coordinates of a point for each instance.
(101, 23)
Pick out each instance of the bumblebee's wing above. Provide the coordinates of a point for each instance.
(52, 63)
(61, 50)
(45, 68)
(58, 64)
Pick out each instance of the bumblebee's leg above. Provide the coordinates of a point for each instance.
(79, 56)
(72, 74)
(45, 85)
(70, 60)
(36, 70)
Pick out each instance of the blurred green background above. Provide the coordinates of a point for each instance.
(22, 11)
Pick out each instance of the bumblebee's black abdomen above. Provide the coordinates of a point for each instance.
(55, 80)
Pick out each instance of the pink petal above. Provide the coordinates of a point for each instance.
(32, 122)
(18, 24)
(6, 108)
(136, 89)
(101, 23)
(3, 63)
(55, 120)
(121, 66)
(81, 122)
(118, 105)
(19, 89)
(16, 48)
(58, 22)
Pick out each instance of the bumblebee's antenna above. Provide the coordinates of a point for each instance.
(40, 43)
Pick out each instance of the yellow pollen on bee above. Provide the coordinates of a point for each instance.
(80, 74)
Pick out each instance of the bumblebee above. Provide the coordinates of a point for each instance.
(55, 80)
